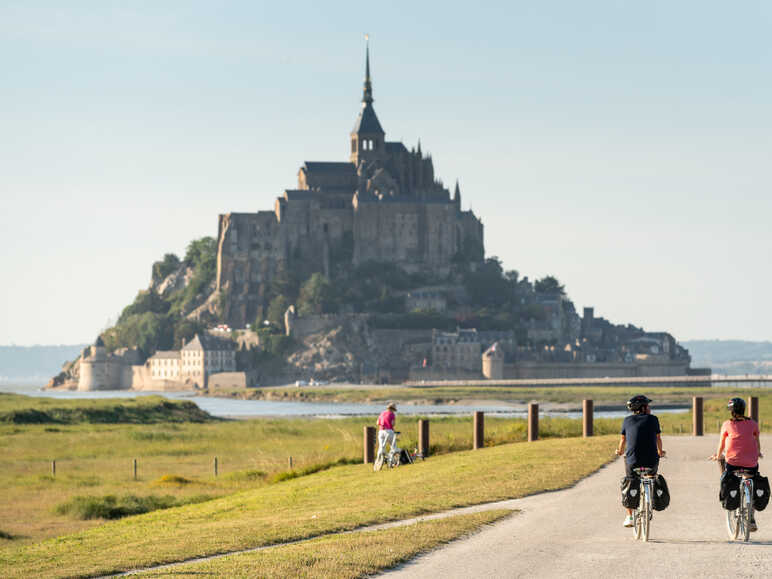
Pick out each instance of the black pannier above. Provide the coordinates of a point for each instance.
(661, 498)
(729, 494)
(760, 492)
(404, 457)
(630, 490)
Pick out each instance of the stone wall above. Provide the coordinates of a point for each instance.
(538, 370)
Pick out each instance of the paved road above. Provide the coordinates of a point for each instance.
(578, 532)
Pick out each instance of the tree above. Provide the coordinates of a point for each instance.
(316, 296)
(549, 285)
(167, 265)
(487, 286)
(276, 310)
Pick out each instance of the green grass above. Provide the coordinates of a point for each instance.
(344, 556)
(19, 409)
(112, 507)
(329, 501)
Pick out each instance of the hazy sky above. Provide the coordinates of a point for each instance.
(623, 147)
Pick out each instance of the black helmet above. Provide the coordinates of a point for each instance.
(637, 402)
(737, 406)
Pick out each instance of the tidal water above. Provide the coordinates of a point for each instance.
(229, 407)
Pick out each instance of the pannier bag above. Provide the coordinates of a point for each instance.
(760, 492)
(729, 494)
(404, 457)
(630, 491)
(661, 498)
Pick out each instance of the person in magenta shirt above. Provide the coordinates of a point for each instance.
(386, 434)
(739, 443)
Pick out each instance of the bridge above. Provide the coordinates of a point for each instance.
(713, 380)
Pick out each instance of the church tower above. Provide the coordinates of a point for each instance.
(367, 138)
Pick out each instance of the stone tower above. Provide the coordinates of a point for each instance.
(368, 142)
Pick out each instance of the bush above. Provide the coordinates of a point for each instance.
(112, 507)
(173, 479)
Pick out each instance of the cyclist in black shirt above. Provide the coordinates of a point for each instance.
(641, 438)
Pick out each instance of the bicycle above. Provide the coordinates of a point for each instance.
(643, 514)
(738, 521)
(392, 459)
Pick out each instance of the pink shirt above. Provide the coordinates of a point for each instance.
(741, 448)
(386, 420)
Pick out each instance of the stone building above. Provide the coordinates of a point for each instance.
(102, 371)
(384, 204)
(459, 350)
(200, 358)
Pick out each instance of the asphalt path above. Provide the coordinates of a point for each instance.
(578, 532)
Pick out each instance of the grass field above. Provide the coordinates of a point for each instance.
(338, 499)
(175, 460)
(343, 556)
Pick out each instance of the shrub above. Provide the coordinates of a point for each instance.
(173, 479)
(112, 507)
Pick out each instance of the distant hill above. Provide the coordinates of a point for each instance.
(26, 364)
(731, 356)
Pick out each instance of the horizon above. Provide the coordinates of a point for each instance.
(622, 149)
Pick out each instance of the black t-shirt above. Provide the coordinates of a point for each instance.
(640, 431)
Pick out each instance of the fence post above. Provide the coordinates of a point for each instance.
(587, 417)
(290, 463)
(423, 437)
(369, 444)
(135, 469)
(753, 407)
(533, 422)
(479, 430)
(697, 416)
(53, 468)
(215, 466)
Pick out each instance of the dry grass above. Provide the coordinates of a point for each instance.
(344, 556)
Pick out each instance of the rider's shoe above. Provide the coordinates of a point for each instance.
(628, 521)
(753, 526)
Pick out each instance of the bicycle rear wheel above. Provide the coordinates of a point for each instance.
(748, 514)
(732, 524)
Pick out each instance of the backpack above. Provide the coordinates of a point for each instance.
(729, 493)
(661, 498)
(760, 492)
(630, 492)
(404, 457)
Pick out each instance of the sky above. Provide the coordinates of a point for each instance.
(623, 147)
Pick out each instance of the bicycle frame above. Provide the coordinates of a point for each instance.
(738, 521)
(643, 514)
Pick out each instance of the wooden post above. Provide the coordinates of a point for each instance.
(215, 466)
(479, 430)
(369, 444)
(753, 407)
(587, 415)
(290, 463)
(53, 468)
(423, 437)
(135, 469)
(533, 422)
(697, 416)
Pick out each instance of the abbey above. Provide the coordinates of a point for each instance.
(384, 204)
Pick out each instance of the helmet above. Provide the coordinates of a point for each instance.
(637, 402)
(736, 406)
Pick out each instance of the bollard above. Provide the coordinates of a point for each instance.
(53, 468)
(135, 469)
(479, 430)
(215, 466)
(587, 415)
(423, 437)
(290, 463)
(369, 444)
(533, 422)
(697, 416)
(753, 407)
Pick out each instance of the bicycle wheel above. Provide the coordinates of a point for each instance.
(646, 518)
(732, 524)
(748, 511)
(378, 464)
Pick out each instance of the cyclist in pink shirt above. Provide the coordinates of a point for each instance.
(739, 443)
(386, 434)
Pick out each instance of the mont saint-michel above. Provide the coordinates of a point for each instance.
(368, 270)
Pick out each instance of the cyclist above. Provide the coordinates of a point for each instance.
(739, 442)
(641, 438)
(386, 434)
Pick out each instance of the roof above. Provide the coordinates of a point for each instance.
(165, 355)
(329, 167)
(367, 122)
(298, 195)
(395, 147)
(209, 343)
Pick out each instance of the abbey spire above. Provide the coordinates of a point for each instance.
(367, 137)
